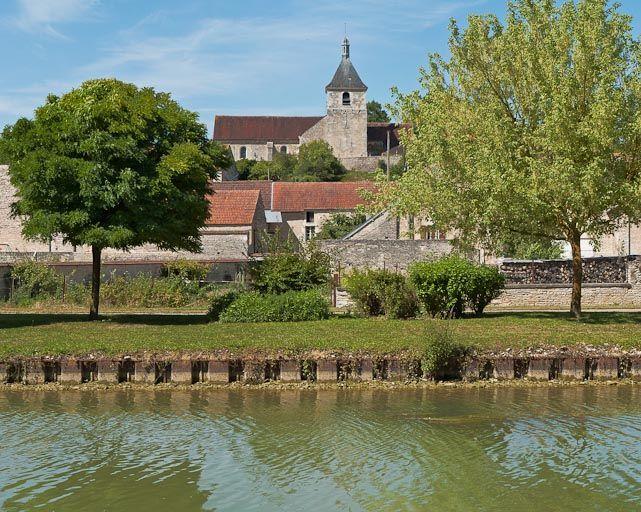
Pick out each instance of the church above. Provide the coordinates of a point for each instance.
(355, 142)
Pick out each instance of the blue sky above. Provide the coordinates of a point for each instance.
(222, 56)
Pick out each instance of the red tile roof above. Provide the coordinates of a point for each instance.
(233, 207)
(264, 186)
(261, 128)
(301, 196)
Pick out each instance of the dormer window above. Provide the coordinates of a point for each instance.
(346, 99)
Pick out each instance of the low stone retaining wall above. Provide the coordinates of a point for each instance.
(541, 366)
(613, 295)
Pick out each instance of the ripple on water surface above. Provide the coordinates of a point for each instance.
(549, 448)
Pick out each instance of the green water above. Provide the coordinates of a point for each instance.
(574, 448)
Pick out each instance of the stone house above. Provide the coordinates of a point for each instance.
(355, 142)
(236, 222)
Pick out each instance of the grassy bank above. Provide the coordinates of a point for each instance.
(67, 334)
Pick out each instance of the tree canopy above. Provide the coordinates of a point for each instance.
(109, 165)
(340, 224)
(315, 162)
(376, 113)
(530, 130)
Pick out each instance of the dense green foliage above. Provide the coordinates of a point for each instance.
(340, 224)
(147, 291)
(285, 307)
(443, 353)
(111, 165)
(282, 167)
(529, 129)
(35, 281)
(396, 170)
(376, 113)
(446, 286)
(484, 284)
(221, 301)
(532, 249)
(381, 292)
(315, 161)
(244, 167)
(186, 269)
(287, 269)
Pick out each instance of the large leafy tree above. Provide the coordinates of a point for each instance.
(530, 130)
(376, 113)
(316, 162)
(109, 165)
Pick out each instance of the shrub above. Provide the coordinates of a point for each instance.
(485, 285)
(289, 270)
(362, 288)
(285, 307)
(301, 306)
(36, 280)
(440, 285)
(381, 292)
(399, 300)
(185, 269)
(446, 286)
(220, 302)
(443, 355)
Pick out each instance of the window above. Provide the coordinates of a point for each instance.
(310, 232)
(309, 217)
(346, 99)
(431, 234)
(243, 152)
(283, 150)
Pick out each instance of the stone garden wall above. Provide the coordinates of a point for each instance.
(608, 283)
(595, 270)
(394, 255)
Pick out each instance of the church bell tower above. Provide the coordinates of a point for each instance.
(347, 109)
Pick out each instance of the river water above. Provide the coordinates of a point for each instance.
(549, 448)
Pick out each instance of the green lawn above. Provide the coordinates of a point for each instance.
(58, 334)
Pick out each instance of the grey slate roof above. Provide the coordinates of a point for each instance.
(346, 78)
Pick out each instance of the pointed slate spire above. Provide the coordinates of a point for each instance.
(346, 78)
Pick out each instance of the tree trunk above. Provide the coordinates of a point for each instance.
(96, 253)
(577, 274)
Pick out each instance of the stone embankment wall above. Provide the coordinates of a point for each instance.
(608, 282)
(587, 364)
